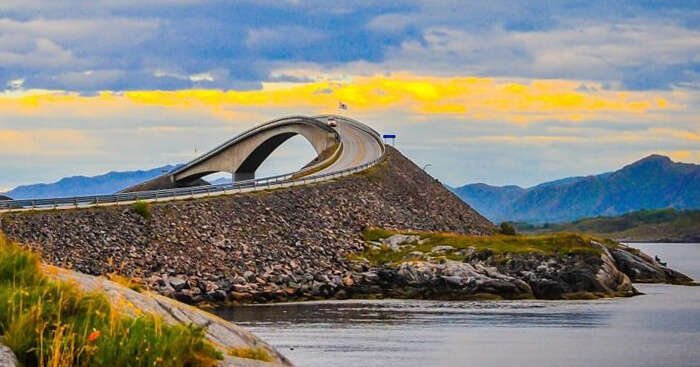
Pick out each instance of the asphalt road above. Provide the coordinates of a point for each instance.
(359, 147)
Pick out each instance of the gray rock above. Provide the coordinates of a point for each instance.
(442, 249)
(399, 241)
(413, 255)
(7, 357)
(177, 283)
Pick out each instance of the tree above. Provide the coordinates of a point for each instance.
(507, 229)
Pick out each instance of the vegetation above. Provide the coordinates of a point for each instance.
(507, 229)
(660, 224)
(560, 244)
(132, 284)
(143, 209)
(50, 323)
(259, 353)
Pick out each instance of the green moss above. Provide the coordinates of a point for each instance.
(496, 246)
(50, 323)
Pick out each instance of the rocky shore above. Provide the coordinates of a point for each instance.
(590, 270)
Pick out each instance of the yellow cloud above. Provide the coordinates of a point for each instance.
(684, 155)
(465, 97)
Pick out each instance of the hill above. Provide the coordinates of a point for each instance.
(664, 225)
(81, 185)
(651, 183)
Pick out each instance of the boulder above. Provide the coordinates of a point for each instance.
(642, 268)
(399, 241)
(178, 283)
(7, 357)
(442, 249)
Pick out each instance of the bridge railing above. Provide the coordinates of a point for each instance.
(177, 193)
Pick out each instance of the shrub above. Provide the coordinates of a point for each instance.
(258, 353)
(507, 229)
(51, 323)
(143, 209)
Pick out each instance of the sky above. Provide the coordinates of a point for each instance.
(501, 92)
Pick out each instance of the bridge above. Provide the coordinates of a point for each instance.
(343, 147)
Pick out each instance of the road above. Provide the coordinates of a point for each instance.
(359, 147)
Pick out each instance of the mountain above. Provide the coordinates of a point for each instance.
(661, 225)
(653, 182)
(80, 185)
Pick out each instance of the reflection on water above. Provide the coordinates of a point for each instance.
(661, 328)
(359, 313)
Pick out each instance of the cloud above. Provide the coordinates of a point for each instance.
(269, 37)
(461, 97)
(44, 143)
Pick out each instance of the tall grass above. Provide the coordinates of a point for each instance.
(54, 324)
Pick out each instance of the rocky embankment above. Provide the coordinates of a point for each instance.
(278, 245)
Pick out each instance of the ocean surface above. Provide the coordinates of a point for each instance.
(660, 328)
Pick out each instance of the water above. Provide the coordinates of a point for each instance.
(661, 328)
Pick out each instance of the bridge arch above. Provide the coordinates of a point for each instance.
(242, 155)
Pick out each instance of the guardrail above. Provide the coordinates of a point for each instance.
(266, 183)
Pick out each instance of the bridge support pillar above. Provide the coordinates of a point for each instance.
(242, 176)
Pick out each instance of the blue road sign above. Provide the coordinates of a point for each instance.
(389, 136)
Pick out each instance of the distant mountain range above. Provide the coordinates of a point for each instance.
(651, 183)
(80, 185)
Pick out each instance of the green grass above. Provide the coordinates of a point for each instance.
(560, 244)
(143, 209)
(259, 354)
(51, 323)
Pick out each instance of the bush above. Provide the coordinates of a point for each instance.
(507, 229)
(259, 354)
(143, 209)
(51, 323)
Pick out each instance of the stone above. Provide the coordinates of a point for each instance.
(177, 283)
(398, 241)
(7, 357)
(442, 249)
(413, 255)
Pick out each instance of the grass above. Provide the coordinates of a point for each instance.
(259, 354)
(143, 209)
(560, 244)
(126, 282)
(51, 323)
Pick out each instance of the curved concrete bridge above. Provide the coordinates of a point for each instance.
(346, 145)
(343, 148)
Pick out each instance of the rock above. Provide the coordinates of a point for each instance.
(398, 241)
(442, 249)
(643, 269)
(7, 357)
(177, 283)
(413, 255)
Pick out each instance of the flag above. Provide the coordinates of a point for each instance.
(342, 106)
